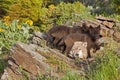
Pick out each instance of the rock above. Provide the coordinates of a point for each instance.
(117, 51)
(118, 25)
(29, 60)
(26, 60)
(60, 56)
(10, 75)
(35, 40)
(99, 21)
(91, 23)
(105, 19)
(108, 24)
(105, 40)
(38, 39)
(39, 35)
(79, 50)
(104, 31)
(88, 23)
(111, 32)
(116, 36)
(12, 72)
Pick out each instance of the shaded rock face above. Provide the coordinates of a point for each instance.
(23, 59)
(27, 61)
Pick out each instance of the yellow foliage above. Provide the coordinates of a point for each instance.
(1, 30)
(7, 23)
(6, 18)
(29, 22)
(19, 27)
(51, 7)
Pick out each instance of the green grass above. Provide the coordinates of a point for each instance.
(70, 75)
(104, 68)
(107, 68)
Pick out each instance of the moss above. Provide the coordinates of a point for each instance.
(54, 61)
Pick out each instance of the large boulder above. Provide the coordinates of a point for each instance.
(28, 61)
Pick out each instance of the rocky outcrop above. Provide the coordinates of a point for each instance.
(109, 27)
(24, 57)
(29, 60)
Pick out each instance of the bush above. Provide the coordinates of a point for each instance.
(11, 32)
(43, 13)
(116, 4)
(71, 12)
(22, 9)
(63, 13)
(4, 7)
(26, 9)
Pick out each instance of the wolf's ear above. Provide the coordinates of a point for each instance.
(85, 44)
(91, 27)
(98, 27)
(84, 24)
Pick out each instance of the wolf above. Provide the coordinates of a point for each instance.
(90, 38)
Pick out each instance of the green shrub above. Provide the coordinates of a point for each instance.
(43, 13)
(107, 67)
(11, 32)
(63, 13)
(25, 9)
(71, 12)
(4, 7)
(116, 4)
(22, 9)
